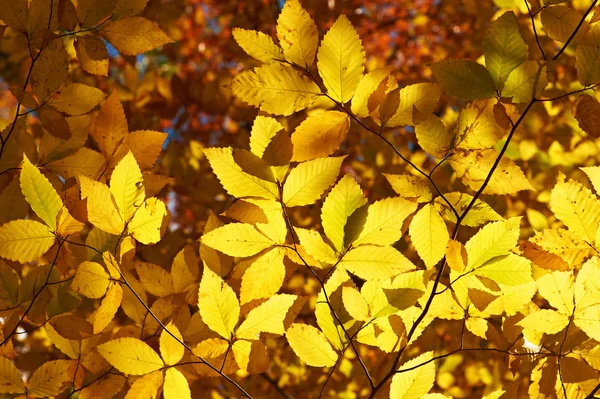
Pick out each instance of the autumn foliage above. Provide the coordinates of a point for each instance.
(300, 203)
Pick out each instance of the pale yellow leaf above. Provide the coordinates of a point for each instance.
(384, 219)
(131, 356)
(268, 317)
(149, 222)
(40, 194)
(297, 33)
(413, 383)
(264, 277)
(429, 234)
(375, 262)
(218, 304)
(355, 304)
(237, 239)
(257, 45)
(171, 349)
(343, 199)
(24, 240)
(102, 210)
(176, 385)
(276, 88)
(90, 280)
(341, 60)
(234, 179)
(126, 187)
(315, 246)
(310, 345)
(307, 182)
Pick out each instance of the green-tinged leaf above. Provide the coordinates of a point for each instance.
(464, 79)
(40, 194)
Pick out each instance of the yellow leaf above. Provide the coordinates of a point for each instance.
(170, 349)
(429, 234)
(51, 378)
(473, 168)
(257, 45)
(146, 387)
(251, 356)
(40, 194)
(558, 289)
(211, 348)
(355, 304)
(237, 182)
(183, 269)
(368, 85)
(521, 82)
(276, 88)
(413, 384)
(237, 239)
(479, 214)
(24, 240)
(67, 224)
(264, 129)
(264, 277)
(545, 321)
(577, 207)
(593, 173)
(92, 55)
(84, 162)
(102, 210)
(433, 136)
(508, 270)
(131, 356)
(375, 262)
(77, 99)
(146, 146)
(341, 60)
(343, 199)
(315, 246)
(155, 279)
(176, 385)
(268, 317)
(134, 35)
(90, 280)
(587, 287)
(110, 126)
(384, 219)
(10, 377)
(415, 100)
(219, 307)
(477, 126)
(307, 182)
(319, 135)
(310, 345)
(494, 239)
(109, 306)
(126, 187)
(297, 33)
(149, 222)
